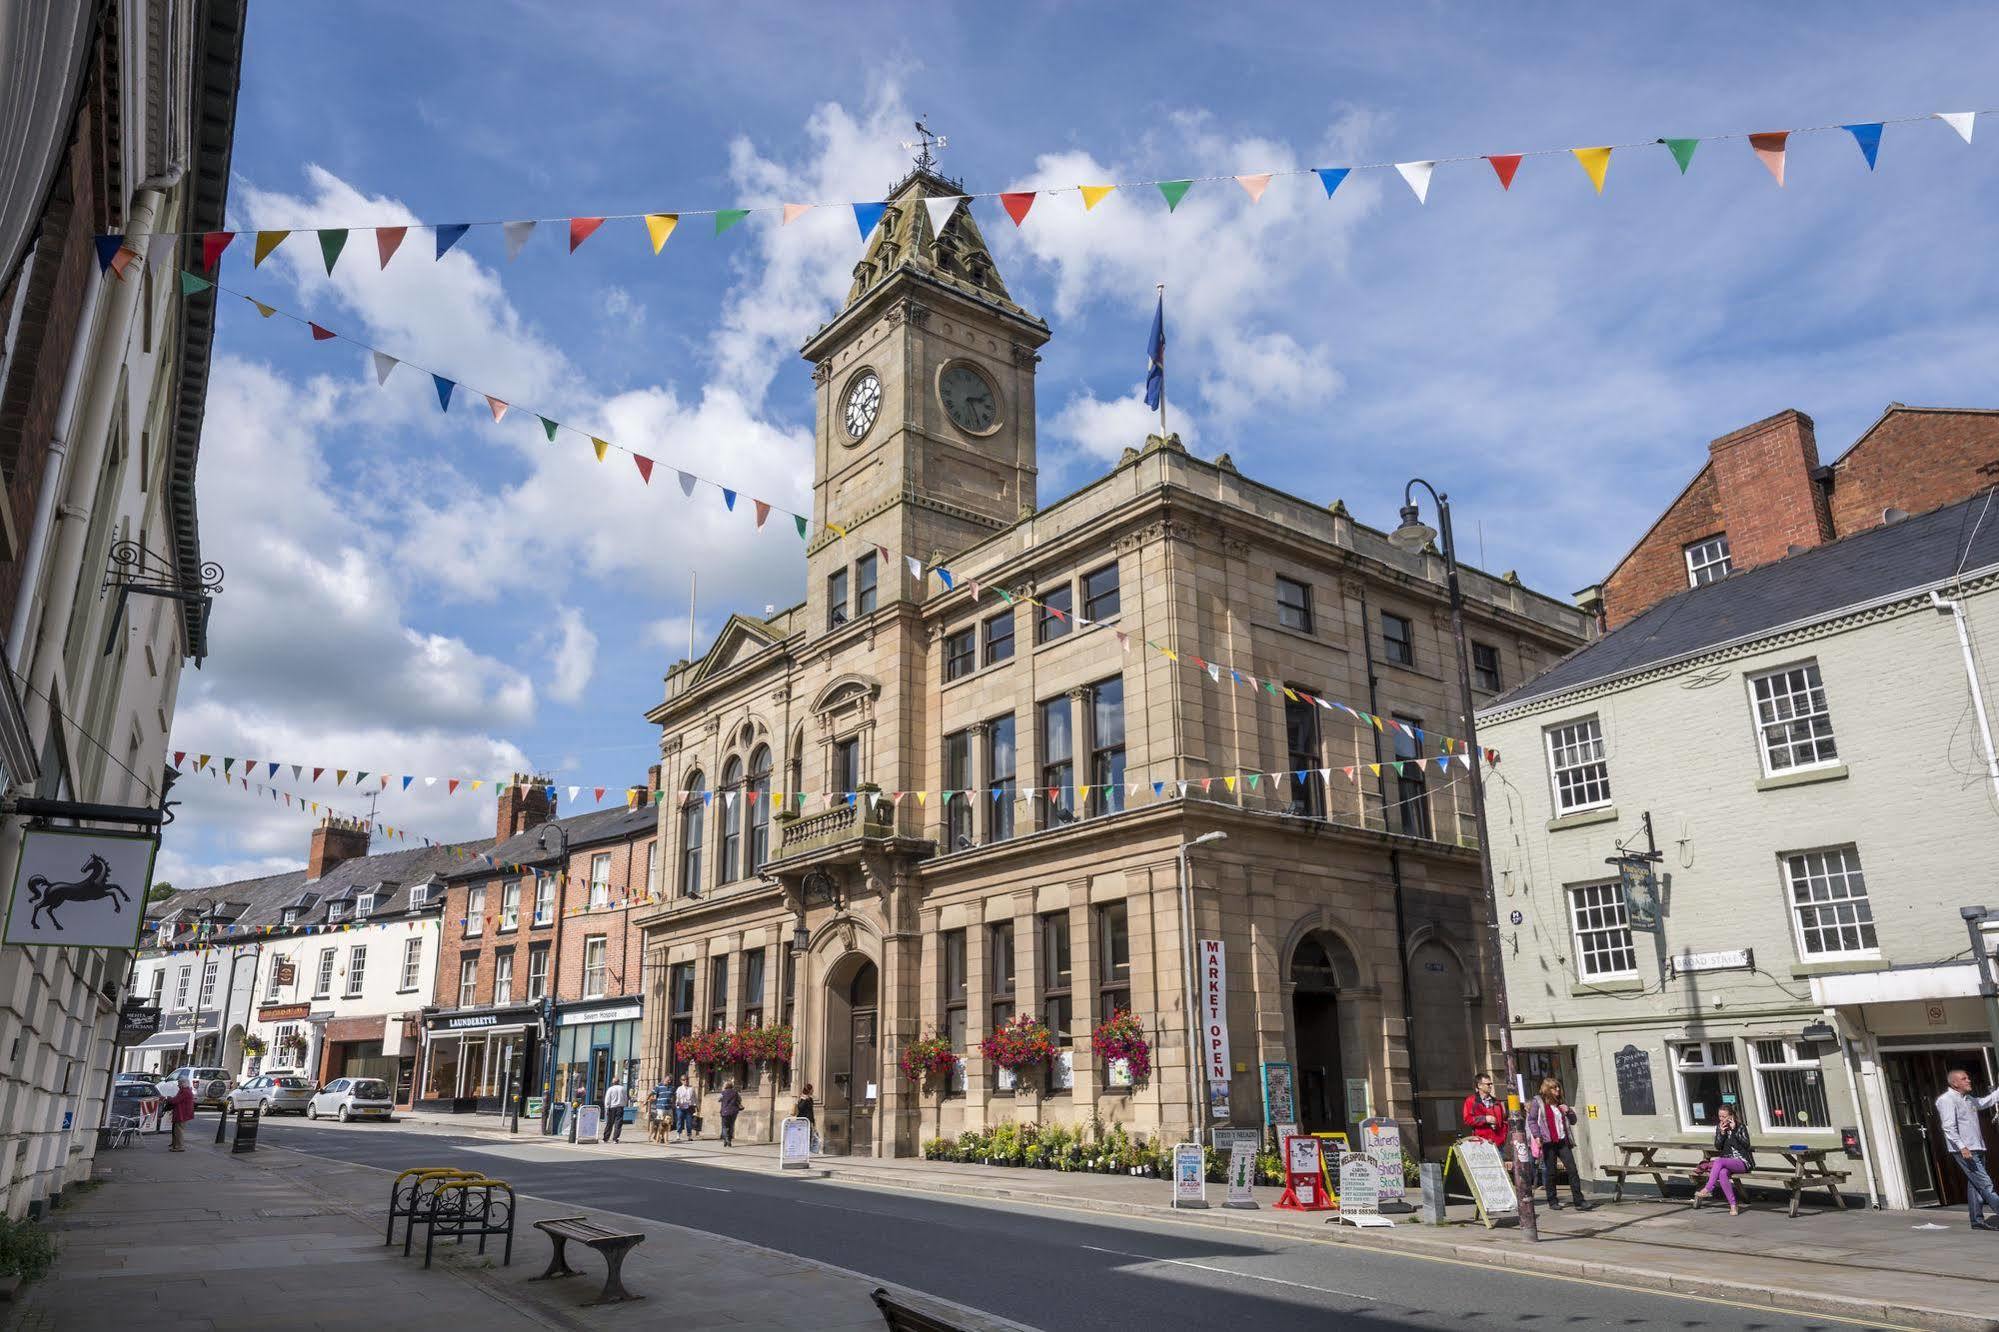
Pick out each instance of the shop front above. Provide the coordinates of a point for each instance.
(353, 1049)
(597, 1041)
(476, 1062)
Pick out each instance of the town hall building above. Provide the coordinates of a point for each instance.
(1075, 687)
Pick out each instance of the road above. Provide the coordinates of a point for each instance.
(1051, 1268)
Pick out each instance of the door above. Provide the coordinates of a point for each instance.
(861, 1123)
(1321, 1090)
(853, 1069)
(600, 1075)
(1915, 1080)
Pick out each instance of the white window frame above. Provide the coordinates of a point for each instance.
(468, 981)
(290, 916)
(1773, 733)
(272, 987)
(185, 979)
(595, 978)
(357, 970)
(600, 883)
(503, 976)
(537, 983)
(1564, 732)
(1602, 896)
(1791, 1061)
(1707, 1064)
(419, 896)
(412, 962)
(322, 987)
(475, 912)
(335, 912)
(364, 906)
(544, 898)
(210, 969)
(510, 905)
(1848, 868)
(1701, 556)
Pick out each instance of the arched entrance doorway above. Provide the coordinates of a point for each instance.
(1442, 1056)
(1320, 967)
(853, 1065)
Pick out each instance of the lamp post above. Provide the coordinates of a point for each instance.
(548, 1028)
(1412, 535)
(1196, 1124)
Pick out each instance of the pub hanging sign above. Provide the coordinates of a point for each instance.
(1641, 894)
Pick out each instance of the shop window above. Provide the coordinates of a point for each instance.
(999, 959)
(680, 1011)
(440, 1077)
(1057, 1007)
(1707, 1078)
(787, 1004)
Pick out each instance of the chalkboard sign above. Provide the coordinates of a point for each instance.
(1634, 1081)
(1491, 1185)
(246, 1131)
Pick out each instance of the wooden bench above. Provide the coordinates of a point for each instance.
(902, 1316)
(614, 1245)
(1804, 1168)
(404, 1191)
(461, 1207)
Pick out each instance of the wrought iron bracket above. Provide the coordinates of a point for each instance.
(135, 570)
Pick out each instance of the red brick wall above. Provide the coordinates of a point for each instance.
(1915, 460)
(491, 940)
(624, 942)
(1657, 568)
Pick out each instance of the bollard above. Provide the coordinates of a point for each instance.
(1433, 1193)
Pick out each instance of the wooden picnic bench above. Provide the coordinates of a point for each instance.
(903, 1316)
(613, 1244)
(1805, 1167)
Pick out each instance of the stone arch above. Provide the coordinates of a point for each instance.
(1437, 936)
(843, 689)
(1359, 977)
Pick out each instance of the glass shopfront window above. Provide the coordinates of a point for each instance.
(440, 1079)
(589, 1054)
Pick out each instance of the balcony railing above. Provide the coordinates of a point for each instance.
(843, 823)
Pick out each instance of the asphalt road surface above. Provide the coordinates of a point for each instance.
(1052, 1268)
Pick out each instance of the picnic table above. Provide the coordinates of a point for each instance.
(1805, 1166)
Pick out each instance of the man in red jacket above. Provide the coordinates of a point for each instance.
(182, 1105)
(1483, 1115)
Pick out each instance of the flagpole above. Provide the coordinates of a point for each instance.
(1161, 289)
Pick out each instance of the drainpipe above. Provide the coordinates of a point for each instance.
(90, 434)
(1955, 609)
(1395, 876)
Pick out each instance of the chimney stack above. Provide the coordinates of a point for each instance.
(335, 842)
(526, 804)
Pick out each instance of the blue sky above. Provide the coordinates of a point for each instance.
(423, 593)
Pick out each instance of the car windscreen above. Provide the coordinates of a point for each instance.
(367, 1089)
(290, 1082)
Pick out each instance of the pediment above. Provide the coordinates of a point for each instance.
(741, 639)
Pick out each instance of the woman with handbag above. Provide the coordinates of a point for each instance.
(1551, 1126)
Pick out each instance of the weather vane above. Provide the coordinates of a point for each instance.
(922, 144)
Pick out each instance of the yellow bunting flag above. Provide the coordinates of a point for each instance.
(265, 310)
(1095, 194)
(1595, 161)
(600, 446)
(659, 226)
(1229, 782)
(266, 242)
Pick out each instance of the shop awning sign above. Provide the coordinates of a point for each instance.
(80, 889)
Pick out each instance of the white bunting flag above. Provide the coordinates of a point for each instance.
(1961, 121)
(1418, 176)
(383, 364)
(915, 567)
(940, 210)
(687, 480)
(574, 791)
(517, 234)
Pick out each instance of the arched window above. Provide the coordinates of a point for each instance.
(732, 828)
(692, 810)
(758, 814)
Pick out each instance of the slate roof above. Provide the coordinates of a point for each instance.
(600, 825)
(1812, 585)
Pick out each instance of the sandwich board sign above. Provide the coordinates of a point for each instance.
(1381, 1142)
(1491, 1185)
(1360, 1192)
(80, 888)
(1242, 1177)
(794, 1144)
(1305, 1187)
(1190, 1175)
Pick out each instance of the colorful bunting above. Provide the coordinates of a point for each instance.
(1769, 149)
(548, 427)
(448, 236)
(1595, 162)
(644, 464)
(867, 215)
(387, 241)
(1417, 174)
(1331, 177)
(1682, 151)
(107, 250)
(1504, 165)
(1016, 204)
(190, 284)
(320, 334)
(498, 408)
(444, 387)
(1255, 185)
(1961, 121)
(266, 242)
(582, 229)
(332, 240)
(516, 235)
(940, 208)
(1174, 191)
(1094, 195)
(659, 226)
(728, 217)
(213, 243)
(383, 364)
(792, 212)
(599, 445)
(1868, 136)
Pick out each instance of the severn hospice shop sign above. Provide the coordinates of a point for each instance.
(80, 889)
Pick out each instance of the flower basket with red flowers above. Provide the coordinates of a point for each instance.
(704, 1049)
(771, 1044)
(1122, 1037)
(1022, 1043)
(926, 1058)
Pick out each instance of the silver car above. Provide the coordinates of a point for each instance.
(271, 1093)
(211, 1085)
(352, 1098)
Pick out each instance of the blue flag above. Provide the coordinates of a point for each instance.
(1155, 356)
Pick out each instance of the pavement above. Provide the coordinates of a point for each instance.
(1923, 1268)
(275, 1240)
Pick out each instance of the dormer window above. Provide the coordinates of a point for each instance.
(290, 916)
(419, 896)
(364, 905)
(335, 912)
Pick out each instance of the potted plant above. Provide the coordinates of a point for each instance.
(254, 1045)
(1119, 1041)
(1023, 1043)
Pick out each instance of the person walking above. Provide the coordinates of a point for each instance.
(1483, 1115)
(614, 1111)
(1958, 1110)
(1551, 1131)
(683, 1110)
(181, 1103)
(1732, 1156)
(802, 1107)
(730, 1105)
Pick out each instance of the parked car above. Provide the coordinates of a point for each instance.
(134, 1100)
(143, 1078)
(270, 1093)
(211, 1085)
(352, 1098)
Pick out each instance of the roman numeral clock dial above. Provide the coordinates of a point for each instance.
(864, 402)
(968, 399)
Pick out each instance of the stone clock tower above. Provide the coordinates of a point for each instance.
(925, 387)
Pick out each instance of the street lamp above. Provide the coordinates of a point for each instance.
(1413, 536)
(548, 1028)
(1196, 1124)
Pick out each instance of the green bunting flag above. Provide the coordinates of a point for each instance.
(1682, 151)
(548, 426)
(190, 284)
(331, 242)
(799, 518)
(728, 217)
(1174, 190)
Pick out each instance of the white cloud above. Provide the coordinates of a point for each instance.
(625, 309)
(1105, 429)
(573, 657)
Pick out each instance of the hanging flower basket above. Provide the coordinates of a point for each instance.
(291, 1049)
(253, 1045)
(1122, 1037)
(705, 1049)
(1022, 1043)
(927, 1058)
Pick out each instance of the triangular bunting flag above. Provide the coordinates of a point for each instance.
(598, 792)
(1769, 149)
(213, 243)
(451, 787)
(1869, 139)
(448, 236)
(190, 284)
(582, 229)
(548, 428)
(498, 408)
(1682, 151)
(516, 234)
(644, 464)
(1331, 177)
(406, 782)
(107, 250)
(1417, 175)
(1504, 165)
(658, 227)
(444, 387)
(339, 776)
(387, 241)
(266, 242)
(1961, 121)
(265, 310)
(332, 240)
(383, 364)
(1175, 191)
(940, 207)
(599, 445)
(915, 567)
(1016, 204)
(792, 212)
(728, 217)
(866, 215)
(1595, 162)
(1094, 195)
(1254, 186)
(687, 480)
(799, 519)
(316, 773)
(320, 334)
(763, 512)
(729, 499)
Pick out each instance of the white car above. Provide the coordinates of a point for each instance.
(352, 1098)
(211, 1085)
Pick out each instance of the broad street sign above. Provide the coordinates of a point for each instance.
(76, 888)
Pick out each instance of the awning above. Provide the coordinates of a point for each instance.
(166, 1040)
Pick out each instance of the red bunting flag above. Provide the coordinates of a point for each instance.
(213, 243)
(645, 467)
(763, 512)
(1017, 204)
(386, 241)
(581, 229)
(319, 334)
(316, 772)
(599, 792)
(179, 754)
(1504, 165)
(499, 408)
(451, 787)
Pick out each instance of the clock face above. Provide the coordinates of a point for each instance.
(968, 398)
(864, 402)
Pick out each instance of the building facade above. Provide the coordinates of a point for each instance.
(912, 805)
(121, 116)
(1801, 744)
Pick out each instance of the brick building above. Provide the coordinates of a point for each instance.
(1763, 494)
(538, 984)
(882, 910)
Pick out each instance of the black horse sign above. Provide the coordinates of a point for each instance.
(80, 889)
